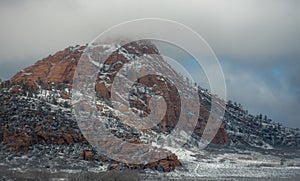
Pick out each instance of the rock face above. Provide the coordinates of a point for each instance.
(87, 155)
(35, 110)
(57, 68)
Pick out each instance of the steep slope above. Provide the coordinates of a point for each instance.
(57, 68)
(55, 74)
(36, 110)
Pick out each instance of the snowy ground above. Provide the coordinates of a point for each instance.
(238, 164)
(209, 164)
(205, 172)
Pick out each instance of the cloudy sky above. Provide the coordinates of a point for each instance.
(257, 42)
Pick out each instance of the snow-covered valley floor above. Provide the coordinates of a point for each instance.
(209, 164)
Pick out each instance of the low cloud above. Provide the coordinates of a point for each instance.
(256, 41)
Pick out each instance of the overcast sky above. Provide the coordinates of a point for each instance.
(257, 42)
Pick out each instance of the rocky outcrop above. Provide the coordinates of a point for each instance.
(25, 122)
(167, 164)
(88, 155)
(57, 68)
(32, 121)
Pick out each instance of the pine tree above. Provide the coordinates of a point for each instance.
(66, 104)
(54, 101)
(265, 118)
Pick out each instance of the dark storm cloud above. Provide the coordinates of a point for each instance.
(257, 42)
(263, 90)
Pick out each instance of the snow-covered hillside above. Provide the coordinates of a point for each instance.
(38, 127)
